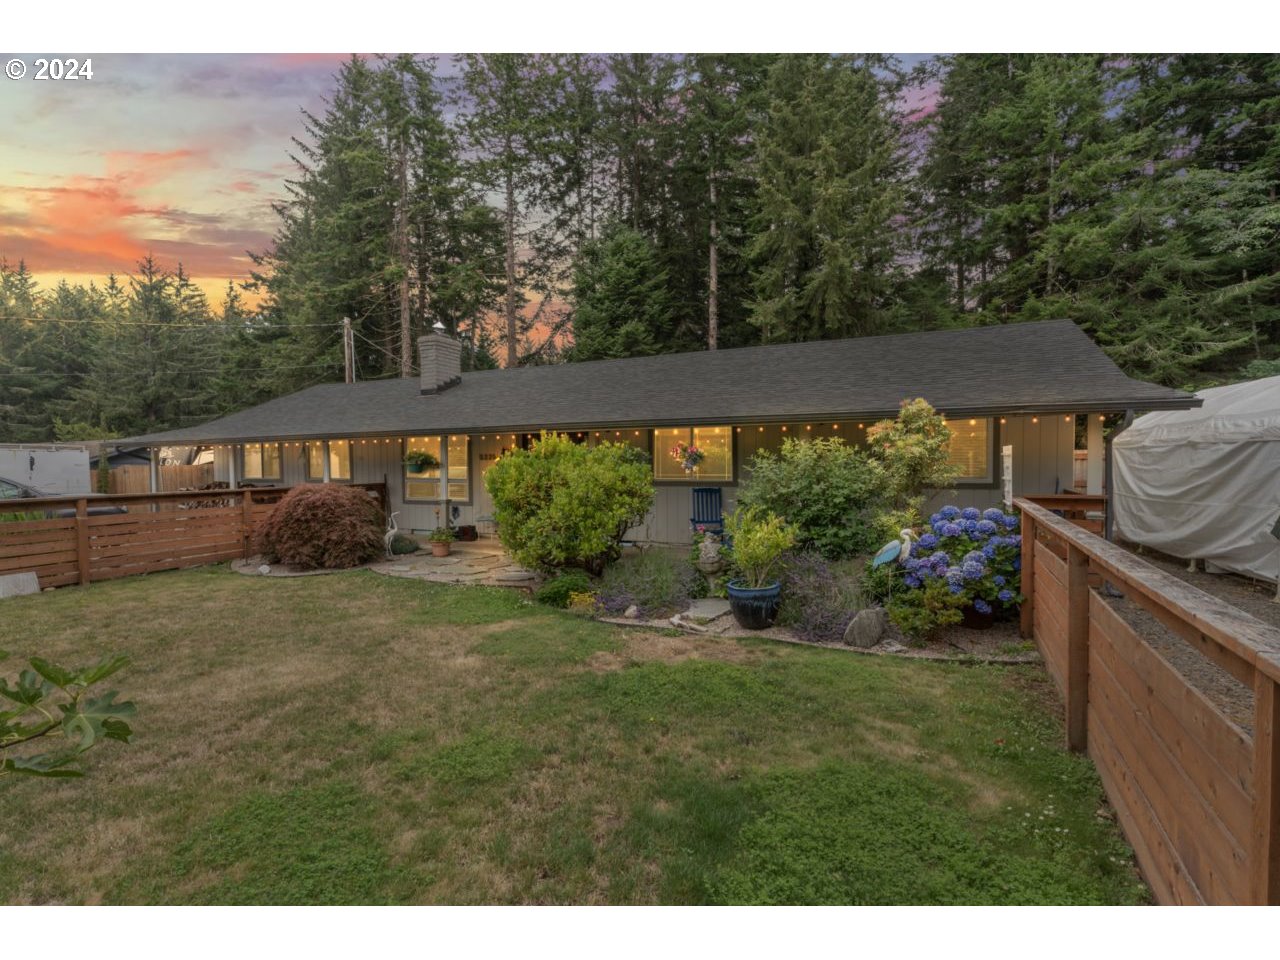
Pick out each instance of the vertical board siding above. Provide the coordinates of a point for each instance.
(1050, 613)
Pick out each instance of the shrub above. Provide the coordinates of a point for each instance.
(914, 452)
(759, 540)
(557, 591)
(658, 582)
(961, 558)
(562, 504)
(818, 599)
(322, 526)
(402, 543)
(825, 488)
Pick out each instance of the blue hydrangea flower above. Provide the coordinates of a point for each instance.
(935, 519)
(949, 512)
(971, 513)
(1017, 563)
(973, 555)
(1010, 522)
(986, 527)
(928, 541)
(981, 606)
(972, 570)
(994, 515)
(997, 541)
(955, 588)
(1004, 596)
(989, 551)
(1014, 541)
(998, 580)
(913, 581)
(939, 558)
(951, 530)
(940, 526)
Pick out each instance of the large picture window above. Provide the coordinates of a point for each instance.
(339, 460)
(716, 444)
(262, 461)
(971, 447)
(453, 456)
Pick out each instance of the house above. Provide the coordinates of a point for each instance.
(1012, 391)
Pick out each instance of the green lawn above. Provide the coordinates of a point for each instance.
(360, 739)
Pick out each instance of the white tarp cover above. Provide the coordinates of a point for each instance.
(1205, 483)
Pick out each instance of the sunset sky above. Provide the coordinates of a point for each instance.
(175, 155)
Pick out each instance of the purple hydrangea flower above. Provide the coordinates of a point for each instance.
(971, 513)
(992, 514)
(972, 570)
(1014, 541)
(939, 558)
(949, 513)
(935, 519)
(970, 525)
(998, 580)
(955, 576)
(1004, 596)
(1017, 563)
(928, 541)
(912, 581)
(951, 530)
(955, 588)
(986, 527)
(1010, 522)
(981, 606)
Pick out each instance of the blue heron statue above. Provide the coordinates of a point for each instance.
(893, 550)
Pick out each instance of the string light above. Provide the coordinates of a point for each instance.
(1066, 419)
(1035, 419)
(859, 426)
(1002, 420)
(808, 426)
(784, 428)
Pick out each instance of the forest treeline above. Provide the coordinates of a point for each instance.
(555, 208)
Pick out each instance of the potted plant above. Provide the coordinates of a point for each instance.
(688, 455)
(759, 540)
(440, 539)
(420, 460)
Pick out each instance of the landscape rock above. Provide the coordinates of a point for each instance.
(866, 628)
(18, 584)
(707, 609)
(632, 612)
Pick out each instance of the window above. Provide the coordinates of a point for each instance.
(262, 461)
(455, 459)
(339, 460)
(971, 447)
(11, 491)
(716, 444)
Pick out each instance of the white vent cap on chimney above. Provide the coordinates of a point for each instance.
(439, 327)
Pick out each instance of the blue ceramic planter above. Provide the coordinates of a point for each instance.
(754, 608)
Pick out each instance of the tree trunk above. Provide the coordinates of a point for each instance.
(402, 253)
(513, 353)
(713, 273)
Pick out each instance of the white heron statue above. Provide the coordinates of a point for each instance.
(893, 550)
(390, 535)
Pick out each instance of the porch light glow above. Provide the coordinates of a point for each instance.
(1067, 419)
(808, 426)
(1101, 418)
(973, 423)
(1035, 419)
(859, 426)
(784, 428)
(1002, 420)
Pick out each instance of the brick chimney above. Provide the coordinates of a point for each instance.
(440, 360)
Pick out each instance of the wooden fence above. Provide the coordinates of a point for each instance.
(1087, 510)
(136, 477)
(1198, 795)
(158, 531)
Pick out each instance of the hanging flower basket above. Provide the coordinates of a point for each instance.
(687, 455)
(420, 460)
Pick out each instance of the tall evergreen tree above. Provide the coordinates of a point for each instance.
(622, 306)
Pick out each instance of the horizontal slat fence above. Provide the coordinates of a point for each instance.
(165, 531)
(1197, 796)
(136, 477)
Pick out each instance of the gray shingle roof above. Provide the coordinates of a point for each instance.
(1014, 368)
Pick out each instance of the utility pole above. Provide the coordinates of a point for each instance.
(348, 349)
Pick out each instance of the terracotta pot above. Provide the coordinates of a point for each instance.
(439, 549)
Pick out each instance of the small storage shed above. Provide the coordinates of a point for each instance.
(1204, 484)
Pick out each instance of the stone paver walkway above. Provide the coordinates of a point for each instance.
(480, 561)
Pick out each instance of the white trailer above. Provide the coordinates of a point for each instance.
(55, 469)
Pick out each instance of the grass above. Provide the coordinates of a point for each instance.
(362, 739)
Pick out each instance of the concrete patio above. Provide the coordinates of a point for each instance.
(480, 561)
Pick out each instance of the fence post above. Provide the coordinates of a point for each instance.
(82, 541)
(1266, 790)
(1077, 648)
(1026, 621)
(246, 520)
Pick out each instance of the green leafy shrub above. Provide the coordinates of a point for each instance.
(826, 489)
(557, 591)
(760, 539)
(48, 701)
(914, 452)
(562, 504)
(926, 609)
(322, 526)
(657, 582)
(402, 543)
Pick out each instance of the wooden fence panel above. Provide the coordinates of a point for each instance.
(44, 547)
(136, 477)
(1197, 796)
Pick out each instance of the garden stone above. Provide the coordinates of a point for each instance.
(866, 628)
(18, 584)
(706, 609)
(632, 612)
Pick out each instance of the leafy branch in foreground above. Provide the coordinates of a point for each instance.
(50, 701)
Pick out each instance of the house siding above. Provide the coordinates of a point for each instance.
(1042, 463)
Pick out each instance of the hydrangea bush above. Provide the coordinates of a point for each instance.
(962, 557)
